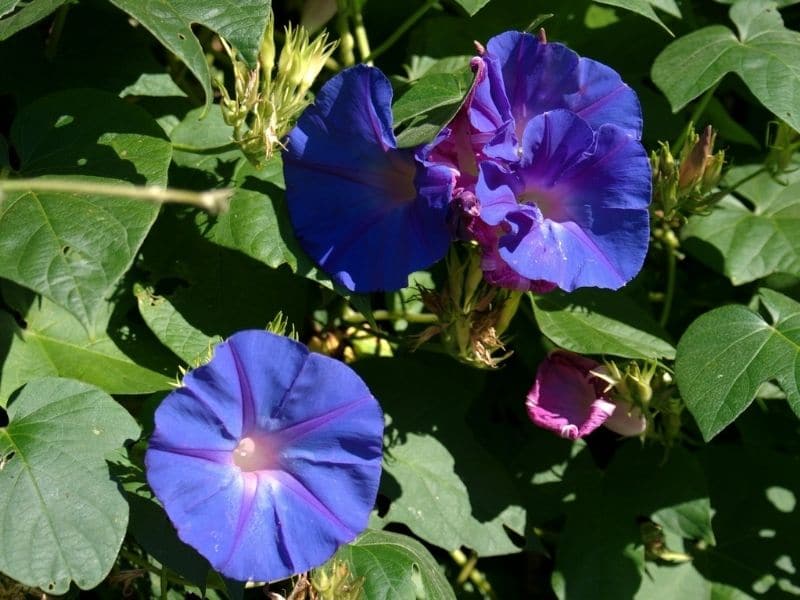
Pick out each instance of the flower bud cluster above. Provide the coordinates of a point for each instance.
(472, 316)
(686, 186)
(269, 99)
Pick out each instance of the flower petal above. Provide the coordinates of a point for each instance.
(370, 214)
(539, 77)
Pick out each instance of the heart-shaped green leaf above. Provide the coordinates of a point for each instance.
(62, 518)
(727, 353)
(241, 23)
(751, 243)
(765, 54)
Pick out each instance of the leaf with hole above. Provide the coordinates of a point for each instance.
(240, 23)
(62, 518)
(393, 567)
(74, 247)
(727, 353)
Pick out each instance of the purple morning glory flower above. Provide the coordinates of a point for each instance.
(568, 399)
(267, 458)
(547, 148)
(573, 210)
(368, 212)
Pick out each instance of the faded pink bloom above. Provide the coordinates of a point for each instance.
(568, 399)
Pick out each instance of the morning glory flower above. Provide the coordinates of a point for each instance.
(366, 211)
(573, 210)
(267, 458)
(570, 400)
(546, 149)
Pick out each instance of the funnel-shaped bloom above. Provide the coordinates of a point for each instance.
(547, 144)
(268, 458)
(570, 400)
(368, 212)
(573, 210)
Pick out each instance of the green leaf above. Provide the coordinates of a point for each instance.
(157, 85)
(432, 90)
(645, 8)
(442, 484)
(756, 524)
(727, 127)
(472, 6)
(727, 353)
(118, 359)
(595, 321)
(197, 140)
(394, 567)
(62, 518)
(765, 55)
(172, 329)
(241, 23)
(748, 244)
(7, 6)
(30, 13)
(214, 292)
(73, 248)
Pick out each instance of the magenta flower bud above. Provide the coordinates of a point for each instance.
(570, 400)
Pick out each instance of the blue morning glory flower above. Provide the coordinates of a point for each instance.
(267, 458)
(366, 211)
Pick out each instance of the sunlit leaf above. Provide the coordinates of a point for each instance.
(394, 566)
(70, 247)
(765, 55)
(600, 322)
(727, 353)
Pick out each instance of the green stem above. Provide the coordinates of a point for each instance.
(164, 583)
(697, 112)
(361, 36)
(213, 201)
(398, 33)
(213, 150)
(346, 43)
(733, 187)
(51, 46)
(469, 571)
(671, 268)
(385, 315)
(145, 564)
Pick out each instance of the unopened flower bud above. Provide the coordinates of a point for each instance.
(695, 156)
